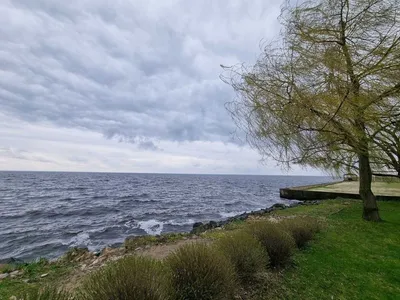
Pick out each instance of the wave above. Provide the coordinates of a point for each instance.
(61, 212)
(230, 214)
(155, 227)
(80, 240)
(151, 227)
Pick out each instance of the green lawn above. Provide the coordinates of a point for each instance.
(351, 259)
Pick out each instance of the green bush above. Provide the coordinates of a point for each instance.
(302, 229)
(201, 272)
(278, 242)
(245, 252)
(132, 277)
(45, 293)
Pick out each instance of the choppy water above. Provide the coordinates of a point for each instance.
(42, 214)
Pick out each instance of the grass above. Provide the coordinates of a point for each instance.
(352, 258)
(31, 277)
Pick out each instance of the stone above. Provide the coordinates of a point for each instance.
(11, 261)
(14, 274)
(197, 224)
(212, 224)
(279, 206)
(44, 275)
(4, 275)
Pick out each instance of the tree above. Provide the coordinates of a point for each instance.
(386, 136)
(312, 94)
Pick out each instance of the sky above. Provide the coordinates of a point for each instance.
(127, 85)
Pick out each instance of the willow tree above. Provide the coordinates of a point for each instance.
(312, 94)
(386, 136)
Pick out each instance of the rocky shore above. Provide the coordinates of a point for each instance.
(131, 242)
(201, 227)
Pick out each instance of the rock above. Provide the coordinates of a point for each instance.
(83, 267)
(279, 206)
(138, 249)
(4, 275)
(11, 261)
(26, 280)
(212, 224)
(12, 298)
(14, 274)
(197, 224)
(44, 275)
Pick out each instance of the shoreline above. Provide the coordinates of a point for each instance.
(197, 228)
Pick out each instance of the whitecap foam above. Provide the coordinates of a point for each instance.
(81, 239)
(152, 227)
(230, 214)
(180, 222)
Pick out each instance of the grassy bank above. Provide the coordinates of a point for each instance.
(349, 259)
(352, 259)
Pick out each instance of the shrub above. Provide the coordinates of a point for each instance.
(302, 229)
(245, 252)
(45, 293)
(201, 272)
(132, 277)
(278, 242)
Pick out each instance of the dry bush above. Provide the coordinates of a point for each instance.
(201, 272)
(278, 242)
(245, 252)
(302, 229)
(132, 277)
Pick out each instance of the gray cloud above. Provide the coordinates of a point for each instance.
(8, 152)
(139, 71)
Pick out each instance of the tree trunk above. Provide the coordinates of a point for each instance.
(370, 209)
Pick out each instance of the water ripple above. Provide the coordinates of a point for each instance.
(44, 213)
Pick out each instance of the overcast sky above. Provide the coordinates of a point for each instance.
(126, 85)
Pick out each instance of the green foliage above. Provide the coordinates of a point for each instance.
(132, 277)
(278, 243)
(200, 272)
(302, 229)
(246, 254)
(352, 259)
(45, 293)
